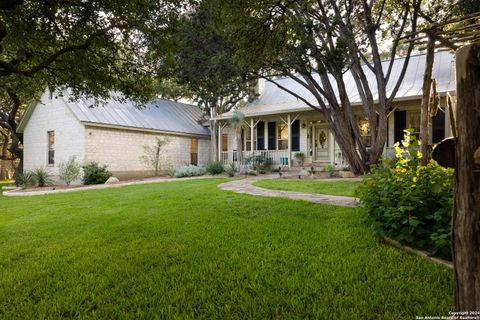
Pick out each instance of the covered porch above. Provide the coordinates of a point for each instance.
(276, 139)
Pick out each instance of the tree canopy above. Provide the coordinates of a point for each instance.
(315, 43)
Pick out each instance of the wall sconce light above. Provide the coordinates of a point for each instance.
(304, 125)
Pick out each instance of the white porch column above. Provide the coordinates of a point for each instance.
(289, 125)
(251, 135)
(219, 126)
(331, 143)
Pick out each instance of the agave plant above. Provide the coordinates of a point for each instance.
(43, 177)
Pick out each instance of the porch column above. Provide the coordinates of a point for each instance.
(289, 140)
(331, 142)
(251, 135)
(219, 141)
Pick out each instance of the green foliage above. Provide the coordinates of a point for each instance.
(330, 169)
(408, 202)
(204, 63)
(252, 173)
(259, 162)
(230, 170)
(93, 173)
(152, 155)
(69, 170)
(300, 157)
(225, 255)
(215, 167)
(189, 171)
(42, 177)
(170, 171)
(27, 179)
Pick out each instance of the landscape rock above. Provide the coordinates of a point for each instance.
(112, 180)
(346, 174)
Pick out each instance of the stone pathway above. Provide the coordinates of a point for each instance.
(246, 186)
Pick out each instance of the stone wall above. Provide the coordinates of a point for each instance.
(52, 115)
(121, 150)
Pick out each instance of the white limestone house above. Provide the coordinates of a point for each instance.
(112, 134)
(277, 125)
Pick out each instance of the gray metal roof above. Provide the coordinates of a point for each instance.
(158, 114)
(274, 100)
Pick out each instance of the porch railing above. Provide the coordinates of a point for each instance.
(252, 158)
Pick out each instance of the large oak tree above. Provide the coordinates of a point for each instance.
(90, 47)
(315, 43)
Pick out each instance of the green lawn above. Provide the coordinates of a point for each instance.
(332, 187)
(190, 250)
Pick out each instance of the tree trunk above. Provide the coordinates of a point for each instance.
(213, 141)
(466, 212)
(4, 159)
(425, 107)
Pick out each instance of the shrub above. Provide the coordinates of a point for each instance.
(26, 179)
(170, 171)
(42, 177)
(189, 171)
(230, 170)
(408, 202)
(215, 167)
(69, 170)
(152, 155)
(300, 157)
(331, 170)
(259, 161)
(93, 173)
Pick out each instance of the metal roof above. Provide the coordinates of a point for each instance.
(274, 100)
(158, 114)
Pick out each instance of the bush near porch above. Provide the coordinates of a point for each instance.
(408, 202)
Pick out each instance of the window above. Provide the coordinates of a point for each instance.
(364, 128)
(282, 136)
(248, 139)
(224, 142)
(413, 122)
(51, 147)
(194, 151)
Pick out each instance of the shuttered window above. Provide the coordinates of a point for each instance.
(261, 135)
(272, 138)
(400, 124)
(296, 135)
(438, 127)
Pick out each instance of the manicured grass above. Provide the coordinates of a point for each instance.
(332, 187)
(187, 249)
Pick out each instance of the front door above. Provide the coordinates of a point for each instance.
(321, 143)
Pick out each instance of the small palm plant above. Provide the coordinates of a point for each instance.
(236, 122)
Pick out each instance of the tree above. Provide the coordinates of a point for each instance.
(69, 170)
(315, 43)
(466, 212)
(90, 47)
(236, 122)
(204, 65)
(152, 156)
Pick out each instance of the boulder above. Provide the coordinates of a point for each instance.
(112, 180)
(346, 174)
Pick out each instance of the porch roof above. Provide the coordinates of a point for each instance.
(274, 100)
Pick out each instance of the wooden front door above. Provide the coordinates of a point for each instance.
(321, 143)
(194, 151)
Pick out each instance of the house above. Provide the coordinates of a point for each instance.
(112, 133)
(277, 125)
